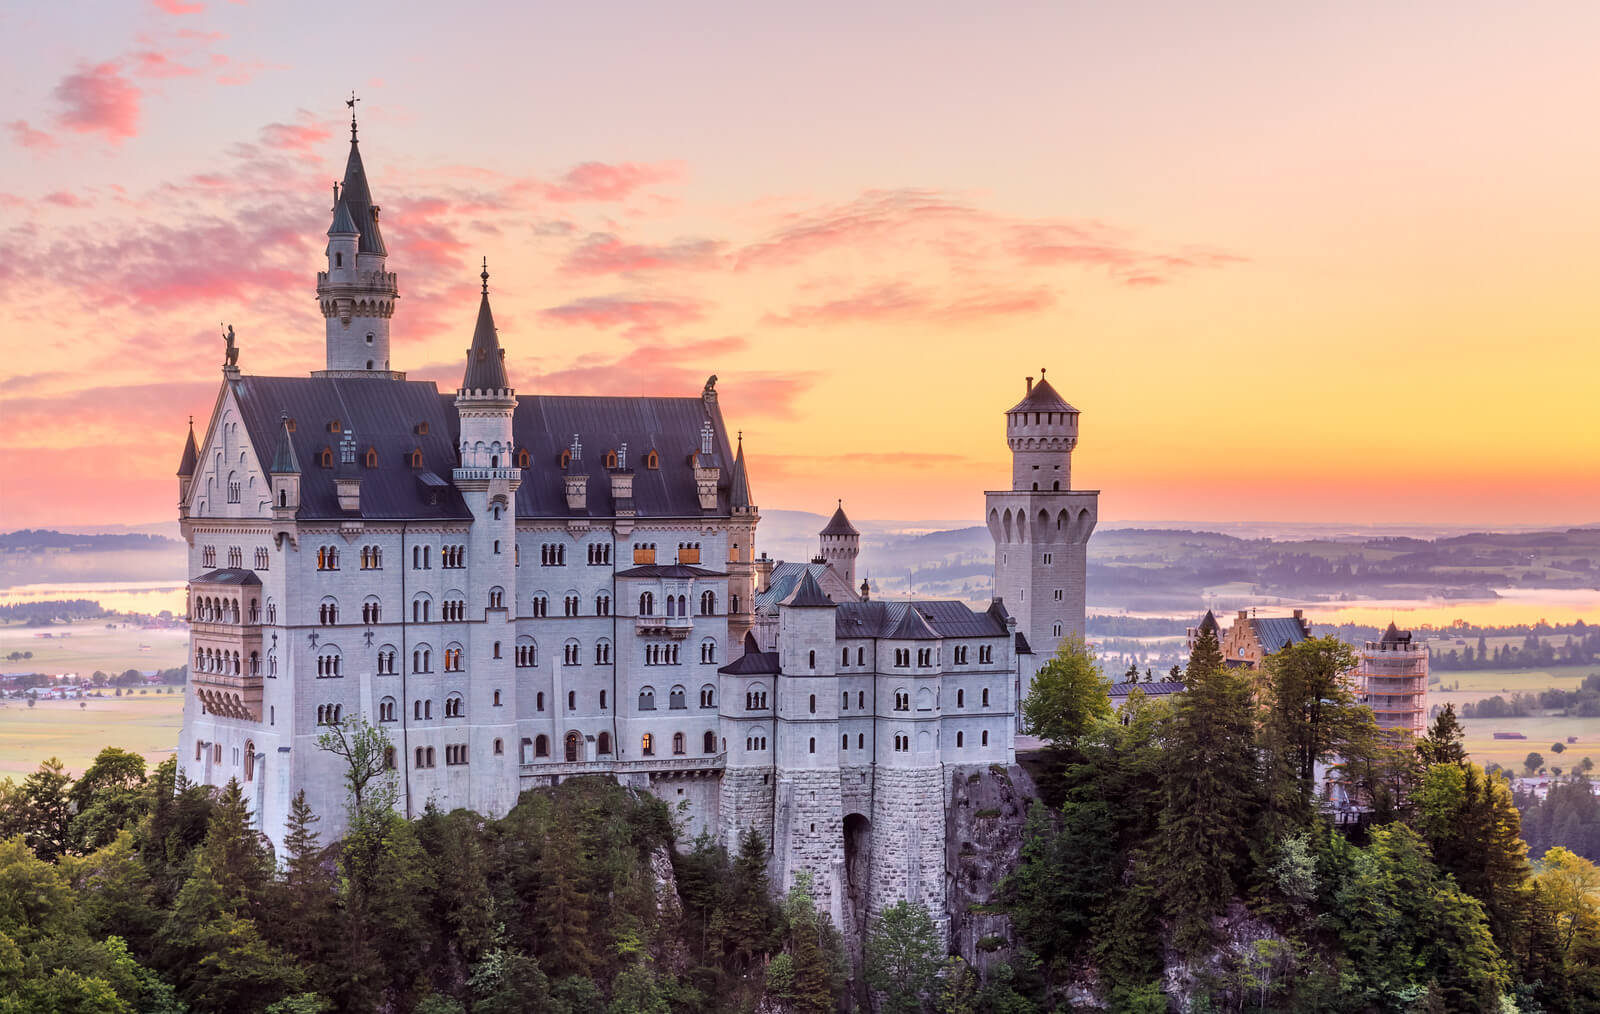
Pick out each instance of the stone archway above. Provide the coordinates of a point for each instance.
(858, 863)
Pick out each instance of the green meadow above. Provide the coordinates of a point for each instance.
(144, 723)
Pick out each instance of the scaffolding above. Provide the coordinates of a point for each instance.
(1392, 679)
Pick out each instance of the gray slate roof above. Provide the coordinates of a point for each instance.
(229, 575)
(754, 661)
(1394, 635)
(284, 460)
(1276, 631)
(191, 455)
(677, 570)
(385, 415)
(1043, 398)
(808, 594)
(357, 198)
(739, 489)
(1158, 689)
(486, 367)
(839, 524)
(343, 223)
(783, 580)
(918, 619)
(1209, 622)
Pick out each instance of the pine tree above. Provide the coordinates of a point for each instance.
(1205, 656)
(1444, 742)
(1312, 715)
(1211, 801)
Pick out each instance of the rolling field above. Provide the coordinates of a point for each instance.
(1541, 730)
(87, 645)
(144, 723)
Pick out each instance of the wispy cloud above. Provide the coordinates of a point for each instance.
(900, 301)
(639, 316)
(600, 181)
(25, 136)
(602, 253)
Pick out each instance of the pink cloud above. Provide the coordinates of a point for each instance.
(875, 216)
(27, 137)
(598, 181)
(198, 36)
(153, 64)
(602, 253)
(294, 136)
(99, 99)
(63, 199)
(641, 316)
(177, 6)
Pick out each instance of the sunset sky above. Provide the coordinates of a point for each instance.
(1291, 261)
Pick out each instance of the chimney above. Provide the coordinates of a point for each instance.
(866, 591)
(1244, 614)
(1030, 385)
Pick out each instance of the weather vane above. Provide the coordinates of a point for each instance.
(351, 102)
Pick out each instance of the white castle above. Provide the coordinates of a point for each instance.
(520, 589)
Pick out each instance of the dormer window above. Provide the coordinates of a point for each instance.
(325, 459)
(422, 429)
(652, 460)
(566, 458)
(416, 458)
(335, 427)
(289, 424)
(372, 457)
(611, 459)
(523, 459)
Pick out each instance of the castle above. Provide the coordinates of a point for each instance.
(524, 588)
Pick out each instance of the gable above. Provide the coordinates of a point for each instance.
(229, 479)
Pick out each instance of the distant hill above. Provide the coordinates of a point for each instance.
(39, 539)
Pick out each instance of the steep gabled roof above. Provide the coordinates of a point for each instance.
(920, 619)
(344, 224)
(191, 455)
(754, 661)
(284, 460)
(486, 365)
(1161, 688)
(809, 594)
(1394, 635)
(911, 627)
(1274, 633)
(1043, 398)
(839, 524)
(739, 488)
(355, 194)
(1209, 622)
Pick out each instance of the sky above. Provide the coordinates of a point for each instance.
(1292, 262)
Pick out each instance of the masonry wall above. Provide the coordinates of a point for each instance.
(908, 841)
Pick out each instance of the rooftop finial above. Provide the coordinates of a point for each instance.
(351, 102)
(485, 276)
(336, 192)
(1041, 373)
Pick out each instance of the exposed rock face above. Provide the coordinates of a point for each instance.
(986, 807)
(673, 954)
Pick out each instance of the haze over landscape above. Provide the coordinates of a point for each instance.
(752, 625)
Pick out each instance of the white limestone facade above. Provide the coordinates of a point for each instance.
(519, 589)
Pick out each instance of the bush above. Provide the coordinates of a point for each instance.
(990, 944)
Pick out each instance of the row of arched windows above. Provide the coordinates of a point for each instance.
(553, 554)
(371, 558)
(329, 714)
(661, 654)
(209, 609)
(599, 553)
(225, 663)
(328, 666)
(677, 698)
(327, 557)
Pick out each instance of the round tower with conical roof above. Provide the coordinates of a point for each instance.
(356, 293)
(840, 545)
(1041, 525)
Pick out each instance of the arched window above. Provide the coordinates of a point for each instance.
(602, 743)
(678, 747)
(652, 459)
(961, 698)
(523, 460)
(602, 700)
(572, 700)
(647, 699)
(541, 746)
(574, 746)
(538, 702)
(709, 742)
(497, 698)
(249, 760)
(372, 458)
(986, 697)
(675, 699)
(985, 741)
(527, 652)
(811, 659)
(647, 745)
(386, 709)
(416, 458)
(708, 696)
(960, 740)
(647, 604)
(453, 706)
(813, 704)
(708, 603)
(672, 606)
(813, 746)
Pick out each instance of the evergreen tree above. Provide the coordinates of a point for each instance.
(302, 916)
(1205, 656)
(1311, 716)
(1444, 743)
(1211, 799)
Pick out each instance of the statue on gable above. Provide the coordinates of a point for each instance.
(232, 348)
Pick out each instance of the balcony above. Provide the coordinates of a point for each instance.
(670, 626)
(648, 765)
(231, 695)
(485, 474)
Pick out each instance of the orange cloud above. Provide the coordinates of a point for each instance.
(603, 253)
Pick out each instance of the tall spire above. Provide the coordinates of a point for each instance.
(486, 369)
(739, 492)
(357, 196)
(284, 459)
(191, 454)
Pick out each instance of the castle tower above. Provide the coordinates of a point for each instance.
(741, 551)
(808, 822)
(841, 544)
(488, 481)
(356, 294)
(1041, 525)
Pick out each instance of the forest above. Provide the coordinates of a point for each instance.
(1178, 857)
